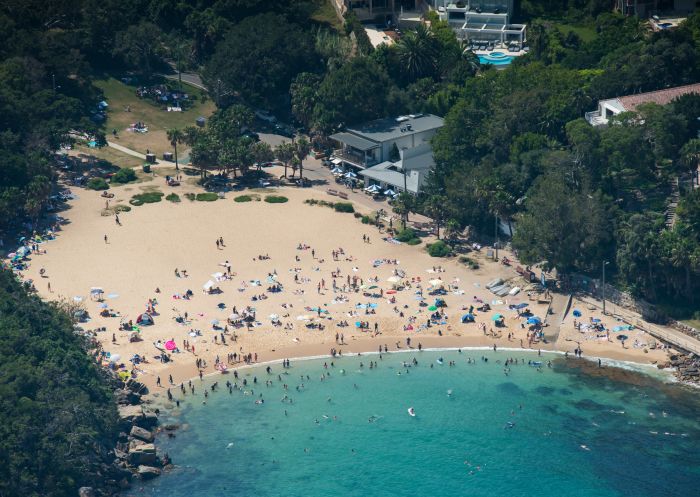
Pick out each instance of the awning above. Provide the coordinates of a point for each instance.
(354, 141)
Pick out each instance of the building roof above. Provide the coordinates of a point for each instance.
(660, 97)
(354, 141)
(382, 172)
(391, 128)
(420, 157)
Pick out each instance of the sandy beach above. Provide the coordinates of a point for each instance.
(137, 261)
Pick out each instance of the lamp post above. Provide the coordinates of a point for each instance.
(605, 263)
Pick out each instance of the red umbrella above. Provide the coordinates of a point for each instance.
(170, 345)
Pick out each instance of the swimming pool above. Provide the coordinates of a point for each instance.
(496, 59)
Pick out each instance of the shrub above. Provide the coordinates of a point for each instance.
(405, 235)
(469, 262)
(146, 168)
(275, 199)
(124, 176)
(358, 216)
(414, 241)
(121, 208)
(439, 249)
(243, 198)
(207, 197)
(97, 184)
(343, 207)
(173, 197)
(146, 198)
(190, 196)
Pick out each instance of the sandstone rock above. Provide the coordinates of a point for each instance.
(148, 472)
(141, 434)
(143, 454)
(130, 413)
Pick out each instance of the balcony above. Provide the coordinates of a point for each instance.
(354, 158)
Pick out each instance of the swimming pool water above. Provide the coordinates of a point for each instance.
(495, 58)
(568, 430)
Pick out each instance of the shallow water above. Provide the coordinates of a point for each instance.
(568, 430)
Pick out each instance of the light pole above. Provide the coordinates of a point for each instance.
(605, 263)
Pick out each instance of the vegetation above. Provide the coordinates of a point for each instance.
(439, 249)
(146, 198)
(275, 199)
(190, 196)
(243, 198)
(97, 184)
(344, 207)
(207, 197)
(407, 235)
(468, 261)
(125, 175)
(173, 197)
(57, 415)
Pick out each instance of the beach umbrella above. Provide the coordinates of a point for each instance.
(436, 282)
(393, 279)
(432, 308)
(234, 316)
(249, 318)
(534, 320)
(337, 170)
(103, 306)
(357, 324)
(274, 317)
(622, 337)
(214, 321)
(389, 192)
(577, 313)
(351, 175)
(114, 357)
(467, 317)
(522, 305)
(496, 317)
(124, 375)
(170, 345)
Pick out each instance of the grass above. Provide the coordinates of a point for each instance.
(695, 323)
(207, 197)
(275, 199)
(111, 155)
(584, 31)
(173, 197)
(247, 198)
(146, 198)
(325, 14)
(97, 184)
(119, 96)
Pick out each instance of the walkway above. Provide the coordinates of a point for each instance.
(670, 335)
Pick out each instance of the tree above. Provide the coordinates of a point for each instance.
(303, 93)
(261, 153)
(436, 208)
(139, 46)
(302, 148)
(357, 92)
(285, 152)
(175, 136)
(418, 53)
(403, 205)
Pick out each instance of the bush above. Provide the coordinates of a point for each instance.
(124, 176)
(146, 168)
(97, 184)
(439, 249)
(405, 235)
(173, 197)
(146, 198)
(358, 215)
(276, 199)
(343, 207)
(190, 196)
(469, 262)
(243, 198)
(414, 241)
(207, 197)
(122, 208)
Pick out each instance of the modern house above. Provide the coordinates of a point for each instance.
(645, 8)
(486, 21)
(614, 106)
(370, 150)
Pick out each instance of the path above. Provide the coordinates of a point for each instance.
(559, 308)
(670, 335)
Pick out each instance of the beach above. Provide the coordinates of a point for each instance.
(297, 246)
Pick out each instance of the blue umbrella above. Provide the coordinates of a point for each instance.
(534, 320)
(522, 305)
(577, 313)
(467, 317)
(496, 317)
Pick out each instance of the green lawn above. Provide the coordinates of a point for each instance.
(325, 13)
(119, 96)
(584, 31)
(119, 159)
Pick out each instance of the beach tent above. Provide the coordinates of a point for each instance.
(96, 292)
(496, 317)
(534, 320)
(351, 175)
(373, 189)
(389, 192)
(436, 282)
(208, 286)
(468, 318)
(144, 319)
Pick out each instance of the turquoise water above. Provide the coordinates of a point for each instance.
(568, 430)
(495, 58)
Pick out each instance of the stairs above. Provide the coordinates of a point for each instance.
(670, 214)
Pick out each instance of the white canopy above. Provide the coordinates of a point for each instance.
(393, 279)
(208, 285)
(436, 282)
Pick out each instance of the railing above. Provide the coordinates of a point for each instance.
(355, 159)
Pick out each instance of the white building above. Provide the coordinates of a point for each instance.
(629, 103)
(483, 21)
(367, 150)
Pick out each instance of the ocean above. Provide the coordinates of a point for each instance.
(565, 428)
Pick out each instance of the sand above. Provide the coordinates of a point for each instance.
(142, 254)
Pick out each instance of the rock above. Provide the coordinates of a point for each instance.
(148, 472)
(135, 442)
(142, 454)
(130, 414)
(171, 427)
(141, 434)
(86, 492)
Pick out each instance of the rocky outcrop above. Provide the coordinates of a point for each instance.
(148, 472)
(687, 367)
(141, 434)
(86, 492)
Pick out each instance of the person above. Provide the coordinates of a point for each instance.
(106, 239)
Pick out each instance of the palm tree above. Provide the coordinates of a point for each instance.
(285, 152)
(175, 136)
(418, 53)
(261, 153)
(303, 149)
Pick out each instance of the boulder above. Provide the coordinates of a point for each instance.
(141, 434)
(148, 472)
(86, 492)
(142, 454)
(130, 414)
